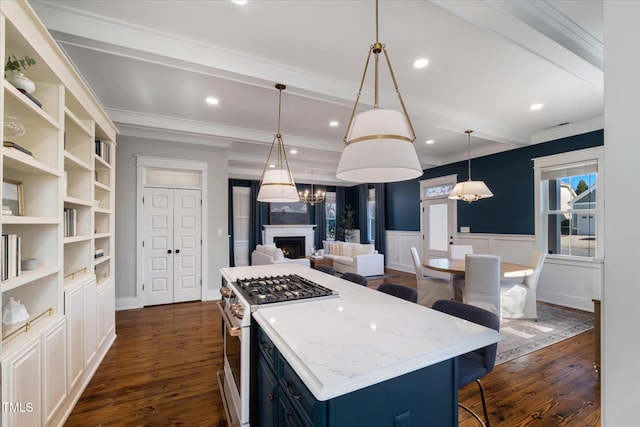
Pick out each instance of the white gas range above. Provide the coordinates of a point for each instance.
(244, 290)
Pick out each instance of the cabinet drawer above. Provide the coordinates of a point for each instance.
(267, 349)
(309, 409)
(287, 416)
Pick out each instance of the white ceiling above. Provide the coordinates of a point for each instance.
(152, 64)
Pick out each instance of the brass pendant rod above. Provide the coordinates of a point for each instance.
(395, 85)
(376, 21)
(468, 132)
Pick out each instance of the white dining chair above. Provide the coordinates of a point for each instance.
(459, 251)
(518, 299)
(457, 280)
(430, 289)
(482, 282)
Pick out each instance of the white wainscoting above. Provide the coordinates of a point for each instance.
(571, 283)
(398, 249)
(566, 282)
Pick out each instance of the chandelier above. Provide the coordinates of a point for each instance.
(276, 182)
(378, 145)
(309, 197)
(469, 190)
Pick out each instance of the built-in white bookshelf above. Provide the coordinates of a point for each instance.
(59, 199)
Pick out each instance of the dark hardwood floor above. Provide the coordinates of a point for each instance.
(161, 372)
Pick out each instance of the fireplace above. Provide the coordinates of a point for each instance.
(304, 231)
(292, 246)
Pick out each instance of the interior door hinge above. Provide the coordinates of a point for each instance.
(142, 199)
(143, 243)
(143, 286)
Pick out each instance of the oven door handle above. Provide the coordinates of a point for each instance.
(234, 331)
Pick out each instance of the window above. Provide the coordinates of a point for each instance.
(371, 215)
(330, 215)
(570, 204)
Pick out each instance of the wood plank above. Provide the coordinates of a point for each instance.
(161, 371)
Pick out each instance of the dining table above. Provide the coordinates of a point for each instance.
(456, 267)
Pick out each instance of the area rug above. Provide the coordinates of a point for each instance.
(526, 336)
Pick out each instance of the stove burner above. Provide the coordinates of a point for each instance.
(264, 290)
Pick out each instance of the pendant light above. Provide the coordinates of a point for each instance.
(276, 182)
(469, 190)
(311, 198)
(379, 142)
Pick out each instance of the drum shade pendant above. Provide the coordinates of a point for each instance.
(470, 191)
(276, 182)
(379, 142)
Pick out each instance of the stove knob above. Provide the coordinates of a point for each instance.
(225, 291)
(237, 310)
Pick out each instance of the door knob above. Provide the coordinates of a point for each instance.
(177, 251)
(169, 251)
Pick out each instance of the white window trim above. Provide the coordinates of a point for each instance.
(330, 197)
(557, 160)
(372, 198)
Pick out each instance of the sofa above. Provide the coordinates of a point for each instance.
(356, 258)
(270, 254)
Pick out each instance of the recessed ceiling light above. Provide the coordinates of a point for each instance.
(420, 63)
(334, 123)
(536, 107)
(429, 141)
(212, 101)
(239, 1)
(272, 165)
(293, 151)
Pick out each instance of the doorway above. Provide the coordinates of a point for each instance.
(171, 235)
(438, 218)
(172, 239)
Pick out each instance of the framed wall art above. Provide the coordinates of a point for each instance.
(12, 198)
(290, 213)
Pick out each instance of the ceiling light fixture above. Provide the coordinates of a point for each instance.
(293, 151)
(470, 191)
(536, 107)
(429, 141)
(212, 101)
(276, 184)
(420, 63)
(334, 123)
(378, 145)
(311, 198)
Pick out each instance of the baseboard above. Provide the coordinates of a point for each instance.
(127, 303)
(400, 267)
(569, 301)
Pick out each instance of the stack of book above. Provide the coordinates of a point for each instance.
(70, 222)
(19, 148)
(98, 253)
(10, 256)
(103, 149)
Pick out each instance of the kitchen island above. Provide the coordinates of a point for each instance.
(361, 358)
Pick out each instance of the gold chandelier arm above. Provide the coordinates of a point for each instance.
(395, 85)
(355, 105)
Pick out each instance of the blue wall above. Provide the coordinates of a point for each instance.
(509, 175)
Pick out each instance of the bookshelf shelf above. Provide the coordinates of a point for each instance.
(65, 188)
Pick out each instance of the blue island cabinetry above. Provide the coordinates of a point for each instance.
(425, 397)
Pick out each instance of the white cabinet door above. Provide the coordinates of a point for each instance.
(106, 312)
(90, 323)
(22, 387)
(74, 310)
(172, 245)
(54, 353)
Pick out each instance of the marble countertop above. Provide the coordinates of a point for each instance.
(363, 337)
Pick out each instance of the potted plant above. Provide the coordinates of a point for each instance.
(13, 72)
(347, 221)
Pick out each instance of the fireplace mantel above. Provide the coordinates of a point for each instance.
(271, 231)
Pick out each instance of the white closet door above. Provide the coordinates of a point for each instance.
(187, 247)
(158, 241)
